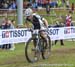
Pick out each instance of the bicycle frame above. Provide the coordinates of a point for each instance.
(36, 36)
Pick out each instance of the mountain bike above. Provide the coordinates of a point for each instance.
(37, 47)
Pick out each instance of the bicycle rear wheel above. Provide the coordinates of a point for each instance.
(46, 48)
(30, 51)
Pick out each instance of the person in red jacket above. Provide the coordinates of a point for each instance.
(68, 20)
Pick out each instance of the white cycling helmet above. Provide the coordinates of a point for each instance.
(28, 12)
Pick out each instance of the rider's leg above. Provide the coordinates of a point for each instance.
(44, 36)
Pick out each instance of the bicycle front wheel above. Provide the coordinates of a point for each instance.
(30, 52)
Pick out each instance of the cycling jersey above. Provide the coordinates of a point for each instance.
(37, 21)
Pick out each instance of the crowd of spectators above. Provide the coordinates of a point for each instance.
(8, 4)
(11, 4)
(52, 3)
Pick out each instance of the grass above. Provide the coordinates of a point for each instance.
(61, 55)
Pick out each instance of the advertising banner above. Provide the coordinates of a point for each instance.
(22, 35)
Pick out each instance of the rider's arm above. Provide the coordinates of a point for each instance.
(26, 23)
(45, 22)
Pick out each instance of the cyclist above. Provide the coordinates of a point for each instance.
(37, 21)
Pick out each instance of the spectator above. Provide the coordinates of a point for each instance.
(63, 2)
(1, 5)
(24, 4)
(72, 7)
(39, 3)
(59, 3)
(67, 4)
(7, 25)
(68, 19)
(12, 27)
(34, 6)
(48, 7)
(5, 5)
(59, 25)
(12, 5)
(43, 3)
